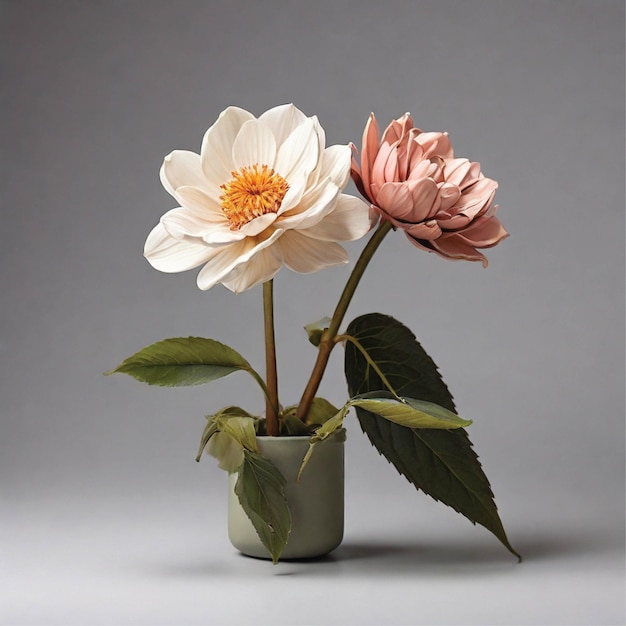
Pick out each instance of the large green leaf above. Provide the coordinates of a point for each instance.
(183, 361)
(441, 463)
(260, 489)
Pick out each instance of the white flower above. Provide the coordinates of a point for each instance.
(262, 193)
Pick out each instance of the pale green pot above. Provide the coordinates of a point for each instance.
(316, 502)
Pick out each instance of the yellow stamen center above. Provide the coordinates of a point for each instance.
(253, 191)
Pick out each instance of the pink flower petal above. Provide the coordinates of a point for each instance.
(414, 155)
(448, 195)
(474, 203)
(355, 173)
(484, 233)
(369, 148)
(395, 199)
(421, 244)
(453, 247)
(424, 169)
(428, 231)
(453, 222)
(397, 129)
(436, 144)
(425, 200)
(391, 167)
(377, 173)
(461, 172)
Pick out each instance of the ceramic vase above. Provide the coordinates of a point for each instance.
(316, 502)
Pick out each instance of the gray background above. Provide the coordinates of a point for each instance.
(105, 516)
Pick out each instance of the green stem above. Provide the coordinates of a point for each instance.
(271, 375)
(328, 336)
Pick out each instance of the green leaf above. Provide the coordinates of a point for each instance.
(441, 463)
(260, 489)
(292, 425)
(315, 330)
(227, 450)
(408, 411)
(241, 429)
(183, 361)
(321, 410)
(331, 427)
(225, 436)
(209, 430)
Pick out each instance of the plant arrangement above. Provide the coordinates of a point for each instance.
(267, 192)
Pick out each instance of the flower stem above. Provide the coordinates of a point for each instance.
(271, 375)
(327, 342)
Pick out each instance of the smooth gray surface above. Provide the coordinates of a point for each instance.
(105, 518)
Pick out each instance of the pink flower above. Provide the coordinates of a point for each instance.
(412, 179)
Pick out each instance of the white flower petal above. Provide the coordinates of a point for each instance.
(349, 220)
(263, 267)
(258, 225)
(283, 120)
(314, 206)
(181, 222)
(201, 204)
(179, 168)
(297, 188)
(305, 255)
(299, 153)
(167, 254)
(200, 217)
(254, 144)
(336, 162)
(221, 234)
(217, 144)
(220, 265)
(229, 257)
(256, 245)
